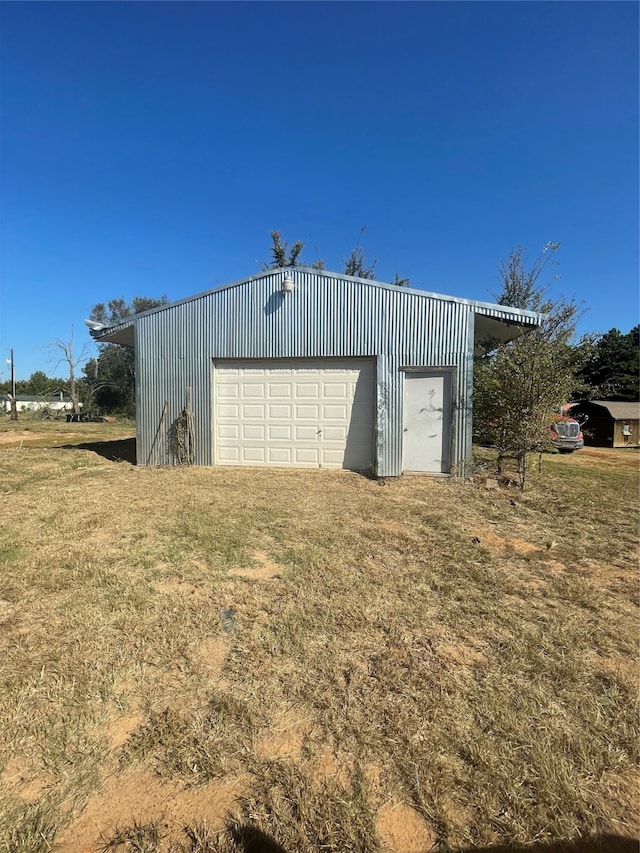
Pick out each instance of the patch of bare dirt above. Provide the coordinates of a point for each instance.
(373, 774)
(555, 567)
(117, 731)
(176, 584)
(211, 654)
(267, 568)
(462, 654)
(9, 439)
(124, 686)
(498, 544)
(36, 438)
(20, 777)
(199, 566)
(139, 795)
(6, 609)
(521, 546)
(604, 575)
(403, 830)
(326, 764)
(285, 737)
(622, 667)
(608, 457)
(458, 813)
(626, 792)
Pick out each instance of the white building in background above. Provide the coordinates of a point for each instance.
(37, 402)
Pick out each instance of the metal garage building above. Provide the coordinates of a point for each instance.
(306, 368)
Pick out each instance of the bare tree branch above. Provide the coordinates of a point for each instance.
(72, 363)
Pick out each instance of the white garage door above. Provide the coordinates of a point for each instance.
(316, 413)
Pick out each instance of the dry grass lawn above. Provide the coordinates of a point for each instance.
(234, 660)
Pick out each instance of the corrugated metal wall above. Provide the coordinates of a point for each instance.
(324, 316)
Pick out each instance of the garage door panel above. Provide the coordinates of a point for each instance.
(228, 455)
(279, 389)
(253, 410)
(253, 389)
(280, 413)
(337, 390)
(252, 453)
(334, 433)
(279, 455)
(229, 391)
(307, 456)
(335, 413)
(231, 431)
(312, 389)
(306, 433)
(279, 432)
(228, 412)
(333, 458)
(303, 413)
(307, 413)
(253, 431)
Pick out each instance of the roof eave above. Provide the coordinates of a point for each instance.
(123, 333)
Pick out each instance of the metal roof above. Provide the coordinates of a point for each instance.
(494, 323)
(619, 411)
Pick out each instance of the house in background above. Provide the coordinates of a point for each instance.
(37, 402)
(307, 368)
(609, 424)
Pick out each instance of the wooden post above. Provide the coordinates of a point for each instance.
(13, 403)
(160, 432)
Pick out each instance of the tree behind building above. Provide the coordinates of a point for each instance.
(110, 379)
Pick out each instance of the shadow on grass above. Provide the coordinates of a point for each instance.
(249, 839)
(122, 450)
(593, 844)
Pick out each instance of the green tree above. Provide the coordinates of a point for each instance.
(356, 264)
(118, 310)
(110, 378)
(612, 365)
(40, 385)
(520, 385)
(401, 282)
(281, 256)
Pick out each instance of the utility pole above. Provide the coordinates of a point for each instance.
(14, 405)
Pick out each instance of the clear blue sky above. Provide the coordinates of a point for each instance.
(150, 148)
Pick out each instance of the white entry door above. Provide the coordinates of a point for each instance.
(302, 413)
(427, 421)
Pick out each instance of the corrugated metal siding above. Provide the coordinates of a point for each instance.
(324, 316)
(507, 314)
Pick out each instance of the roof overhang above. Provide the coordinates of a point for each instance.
(123, 334)
(619, 410)
(490, 331)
